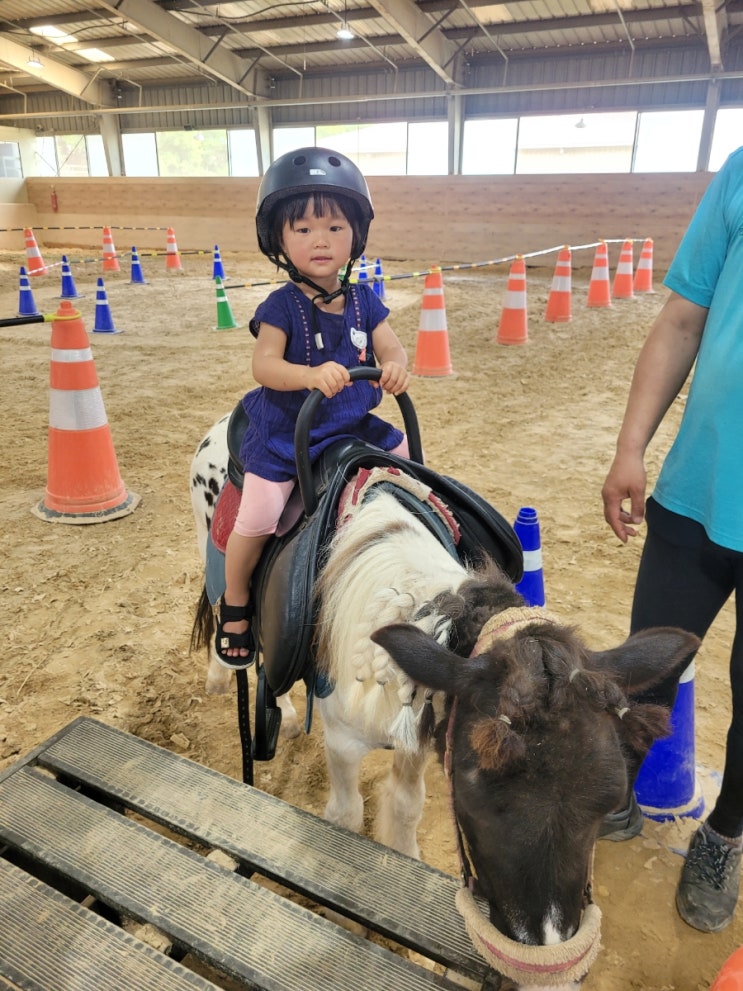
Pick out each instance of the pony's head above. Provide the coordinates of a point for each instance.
(535, 737)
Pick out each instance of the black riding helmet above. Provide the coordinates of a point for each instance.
(302, 173)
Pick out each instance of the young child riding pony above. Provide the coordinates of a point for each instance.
(312, 220)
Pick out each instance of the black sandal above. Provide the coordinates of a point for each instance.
(234, 641)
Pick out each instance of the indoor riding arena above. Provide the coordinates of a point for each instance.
(97, 618)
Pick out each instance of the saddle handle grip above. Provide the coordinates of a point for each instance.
(304, 422)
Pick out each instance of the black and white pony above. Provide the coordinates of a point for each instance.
(423, 651)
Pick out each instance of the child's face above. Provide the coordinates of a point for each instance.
(318, 246)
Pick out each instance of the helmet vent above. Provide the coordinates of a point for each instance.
(334, 161)
(299, 160)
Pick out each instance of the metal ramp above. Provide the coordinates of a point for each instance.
(98, 826)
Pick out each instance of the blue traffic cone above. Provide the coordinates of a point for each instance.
(103, 320)
(218, 267)
(26, 302)
(363, 275)
(378, 286)
(69, 290)
(667, 785)
(531, 585)
(137, 274)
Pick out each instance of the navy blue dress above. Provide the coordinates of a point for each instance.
(268, 446)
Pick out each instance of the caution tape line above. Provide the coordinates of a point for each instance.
(459, 266)
(68, 227)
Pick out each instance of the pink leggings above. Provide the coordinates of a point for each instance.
(263, 502)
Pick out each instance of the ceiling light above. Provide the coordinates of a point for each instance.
(34, 62)
(344, 32)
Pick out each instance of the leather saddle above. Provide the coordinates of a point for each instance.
(285, 608)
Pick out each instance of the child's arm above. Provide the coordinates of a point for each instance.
(393, 359)
(271, 369)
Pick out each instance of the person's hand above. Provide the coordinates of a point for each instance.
(394, 378)
(329, 378)
(626, 480)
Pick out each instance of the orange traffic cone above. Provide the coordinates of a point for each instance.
(730, 977)
(110, 260)
(622, 288)
(599, 288)
(432, 347)
(513, 325)
(560, 297)
(83, 483)
(644, 273)
(172, 258)
(36, 264)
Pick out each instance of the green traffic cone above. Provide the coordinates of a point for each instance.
(225, 319)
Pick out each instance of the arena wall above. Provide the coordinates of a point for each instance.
(440, 219)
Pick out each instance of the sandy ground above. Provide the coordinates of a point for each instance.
(96, 619)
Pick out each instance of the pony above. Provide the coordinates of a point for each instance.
(422, 652)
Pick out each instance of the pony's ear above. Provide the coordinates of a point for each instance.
(421, 657)
(647, 657)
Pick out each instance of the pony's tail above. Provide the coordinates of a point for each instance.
(202, 631)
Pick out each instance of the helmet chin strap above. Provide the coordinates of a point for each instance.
(322, 294)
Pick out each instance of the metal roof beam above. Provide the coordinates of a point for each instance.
(78, 84)
(416, 29)
(177, 36)
(715, 24)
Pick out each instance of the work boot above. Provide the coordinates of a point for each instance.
(708, 888)
(622, 825)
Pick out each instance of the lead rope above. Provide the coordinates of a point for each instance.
(569, 961)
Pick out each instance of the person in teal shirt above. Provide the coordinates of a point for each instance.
(692, 558)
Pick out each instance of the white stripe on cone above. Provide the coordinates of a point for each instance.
(76, 409)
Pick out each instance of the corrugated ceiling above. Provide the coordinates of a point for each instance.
(256, 47)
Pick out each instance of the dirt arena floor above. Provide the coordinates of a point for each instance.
(96, 619)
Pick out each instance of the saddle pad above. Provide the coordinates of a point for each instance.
(225, 514)
(399, 483)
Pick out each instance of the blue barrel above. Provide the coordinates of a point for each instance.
(667, 786)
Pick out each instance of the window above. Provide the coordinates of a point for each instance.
(10, 160)
(243, 154)
(140, 154)
(45, 155)
(428, 145)
(727, 136)
(97, 164)
(72, 159)
(668, 141)
(192, 153)
(489, 146)
(288, 138)
(576, 144)
(377, 149)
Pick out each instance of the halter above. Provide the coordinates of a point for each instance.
(520, 962)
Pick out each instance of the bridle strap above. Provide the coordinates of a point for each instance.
(466, 873)
(507, 623)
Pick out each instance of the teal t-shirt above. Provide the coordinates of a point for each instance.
(702, 476)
